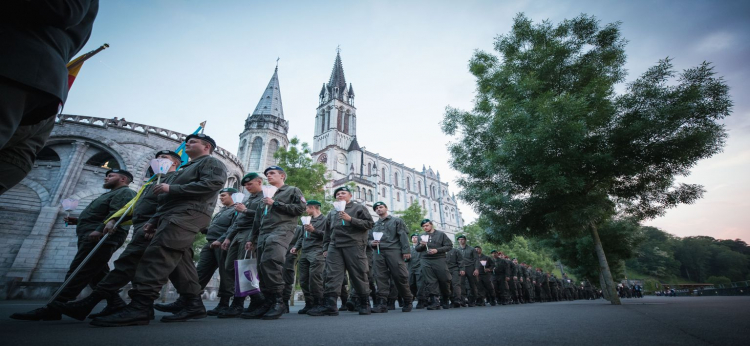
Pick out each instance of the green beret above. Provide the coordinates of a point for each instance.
(121, 172)
(424, 222)
(313, 202)
(342, 188)
(228, 189)
(477, 247)
(461, 236)
(249, 177)
(202, 137)
(493, 251)
(167, 152)
(377, 204)
(273, 168)
(415, 235)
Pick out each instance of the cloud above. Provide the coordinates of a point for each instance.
(715, 42)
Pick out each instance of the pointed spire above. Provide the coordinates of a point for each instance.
(354, 145)
(270, 102)
(351, 90)
(337, 76)
(323, 90)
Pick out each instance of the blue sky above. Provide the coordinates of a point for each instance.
(174, 64)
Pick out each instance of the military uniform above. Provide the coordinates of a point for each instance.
(471, 263)
(416, 284)
(290, 266)
(502, 277)
(484, 281)
(312, 261)
(434, 268)
(455, 263)
(389, 263)
(215, 258)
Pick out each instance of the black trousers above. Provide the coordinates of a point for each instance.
(90, 274)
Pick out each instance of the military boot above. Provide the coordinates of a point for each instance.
(445, 303)
(434, 303)
(400, 301)
(350, 304)
(79, 309)
(364, 306)
(309, 303)
(391, 304)
(137, 313)
(380, 306)
(45, 313)
(420, 303)
(114, 304)
(223, 305)
(327, 309)
(286, 306)
(472, 302)
(277, 307)
(193, 310)
(259, 305)
(456, 303)
(407, 305)
(173, 307)
(493, 302)
(234, 310)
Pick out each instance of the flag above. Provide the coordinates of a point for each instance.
(181, 149)
(75, 65)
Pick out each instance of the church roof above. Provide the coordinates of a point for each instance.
(337, 75)
(270, 102)
(354, 145)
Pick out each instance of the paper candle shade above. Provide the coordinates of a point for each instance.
(70, 204)
(269, 190)
(377, 235)
(484, 263)
(339, 205)
(238, 197)
(425, 238)
(306, 220)
(161, 166)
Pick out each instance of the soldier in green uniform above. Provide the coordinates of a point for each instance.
(529, 283)
(484, 280)
(90, 229)
(273, 230)
(455, 263)
(502, 272)
(472, 267)
(434, 269)
(393, 250)
(312, 261)
(290, 267)
(125, 265)
(415, 273)
(539, 292)
(236, 237)
(185, 207)
(348, 231)
(588, 289)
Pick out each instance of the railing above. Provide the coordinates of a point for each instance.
(135, 127)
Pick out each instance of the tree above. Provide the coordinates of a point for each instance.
(719, 280)
(302, 172)
(412, 216)
(525, 251)
(550, 148)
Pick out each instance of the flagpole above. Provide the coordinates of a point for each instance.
(203, 126)
(87, 56)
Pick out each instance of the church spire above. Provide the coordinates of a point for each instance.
(270, 102)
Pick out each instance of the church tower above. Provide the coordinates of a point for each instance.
(265, 130)
(335, 141)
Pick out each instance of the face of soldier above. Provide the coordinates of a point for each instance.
(478, 250)
(112, 180)
(382, 211)
(462, 241)
(312, 210)
(197, 148)
(414, 239)
(225, 198)
(343, 196)
(495, 255)
(515, 261)
(174, 160)
(254, 186)
(275, 178)
(427, 227)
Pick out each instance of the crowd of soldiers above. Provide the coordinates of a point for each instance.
(344, 254)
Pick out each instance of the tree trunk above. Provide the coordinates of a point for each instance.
(607, 283)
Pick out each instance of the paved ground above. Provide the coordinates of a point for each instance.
(648, 321)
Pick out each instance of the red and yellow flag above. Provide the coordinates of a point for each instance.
(74, 66)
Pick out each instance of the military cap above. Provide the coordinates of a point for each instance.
(228, 189)
(249, 177)
(424, 222)
(377, 204)
(120, 171)
(313, 202)
(167, 152)
(493, 251)
(461, 236)
(272, 168)
(204, 138)
(342, 188)
(477, 247)
(415, 235)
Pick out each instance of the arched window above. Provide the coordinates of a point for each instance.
(383, 195)
(434, 207)
(419, 186)
(408, 183)
(424, 205)
(323, 122)
(383, 175)
(411, 199)
(398, 196)
(339, 121)
(369, 168)
(395, 179)
(346, 122)
(47, 154)
(255, 152)
(242, 148)
(359, 192)
(104, 160)
(273, 146)
(369, 195)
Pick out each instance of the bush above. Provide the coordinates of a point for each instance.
(719, 280)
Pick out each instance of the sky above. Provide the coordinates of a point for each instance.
(173, 64)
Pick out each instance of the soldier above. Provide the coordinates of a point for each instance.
(484, 281)
(455, 263)
(290, 267)
(393, 250)
(539, 293)
(348, 230)
(312, 261)
(125, 265)
(588, 289)
(502, 272)
(529, 283)
(471, 269)
(415, 273)
(434, 268)
(272, 232)
(89, 229)
(236, 237)
(185, 206)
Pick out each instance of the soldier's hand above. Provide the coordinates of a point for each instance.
(507, 278)
(161, 188)
(268, 200)
(344, 216)
(462, 273)
(71, 220)
(487, 270)
(249, 246)
(240, 207)
(110, 227)
(225, 244)
(293, 251)
(325, 253)
(95, 236)
(309, 227)
(148, 235)
(476, 272)
(432, 251)
(406, 256)
(148, 228)
(375, 243)
(215, 244)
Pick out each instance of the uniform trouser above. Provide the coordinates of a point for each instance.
(90, 274)
(210, 260)
(236, 251)
(436, 278)
(272, 250)
(455, 285)
(484, 284)
(528, 294)
(501, 289)
(512, 288)
(416, 284)
(546, 292)
(169, 256)
(342, 260)
(390, 268)
(27, 116)
(289, 274)
(553, 292)
(311, 264)
(472, 282)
